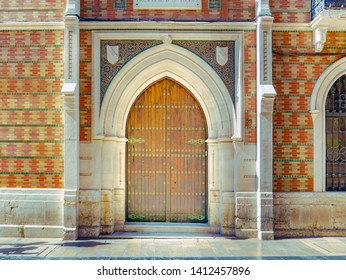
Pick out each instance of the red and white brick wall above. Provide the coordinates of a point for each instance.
(31, 113)
(290, 11)
(294, 78)
(31, 10)
(250, 86)
(85, 99)
(231, 10)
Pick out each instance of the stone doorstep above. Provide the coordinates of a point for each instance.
(160, 235)
(165, 231)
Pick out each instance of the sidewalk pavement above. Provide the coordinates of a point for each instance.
(173, 247)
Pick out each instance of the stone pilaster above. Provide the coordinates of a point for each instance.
(213, 183)
(265, 102)
(70, 93)
(120, 182)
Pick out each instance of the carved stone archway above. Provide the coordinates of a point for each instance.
(109, 130)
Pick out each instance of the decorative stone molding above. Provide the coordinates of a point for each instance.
(262, 8)
(167, 39)
(320, 37)
(264, 50)
(73, 8)
(69, 93)
(332, 19)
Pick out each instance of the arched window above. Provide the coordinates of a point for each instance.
(335, 113)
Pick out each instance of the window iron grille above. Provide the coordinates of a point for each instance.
(120, 4)
(317, 6)
(214, 4)
(335, 110)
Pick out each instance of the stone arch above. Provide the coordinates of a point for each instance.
(109, 129)
(317, 104)
(168, 60)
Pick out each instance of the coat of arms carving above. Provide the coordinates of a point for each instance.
(222, 55)
(112, 54)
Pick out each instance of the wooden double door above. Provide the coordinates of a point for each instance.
(166, 156)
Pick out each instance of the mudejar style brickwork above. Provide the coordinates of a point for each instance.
(260, 71)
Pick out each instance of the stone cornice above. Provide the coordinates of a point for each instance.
(154, 25)
(32, 25)
(166, 25)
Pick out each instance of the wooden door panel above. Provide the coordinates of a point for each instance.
(166, 156)
(146, 156)
(185, 128)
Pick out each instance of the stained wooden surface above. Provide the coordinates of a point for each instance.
(166, 156)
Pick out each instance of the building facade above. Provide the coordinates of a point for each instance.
(204, 116)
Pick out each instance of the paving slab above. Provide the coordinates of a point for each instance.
(173, 248)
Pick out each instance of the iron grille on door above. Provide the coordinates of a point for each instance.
(336, 136)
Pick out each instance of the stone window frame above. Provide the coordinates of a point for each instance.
(215, 8)
(123, 2)
(317, 111)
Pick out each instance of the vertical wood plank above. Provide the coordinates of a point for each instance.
(166, 156)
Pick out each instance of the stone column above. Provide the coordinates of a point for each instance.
(226, 173)
(120, 183)
(107, 184)
(213, 183)
(70, 92)
(265, 102)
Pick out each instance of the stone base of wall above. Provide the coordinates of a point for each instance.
(309, 214)
(31, 231)
(31, 213)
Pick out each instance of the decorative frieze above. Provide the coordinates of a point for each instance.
(116, 54)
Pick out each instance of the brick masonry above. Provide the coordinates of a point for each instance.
(32, 10)
(230, 10)
(291, 11)
(85, 84)
(31, 114)
(294, 80)
(31, 73)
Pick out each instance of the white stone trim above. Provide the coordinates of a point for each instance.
(287, 26)
(334, 19)
(32, 25)
(320, 37)
(317, 110)
(73, 7)
(265, 103)
(70, 92)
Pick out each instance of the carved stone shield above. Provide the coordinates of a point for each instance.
(112, 54)
(222, 55)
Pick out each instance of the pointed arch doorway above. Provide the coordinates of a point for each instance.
(166, 156)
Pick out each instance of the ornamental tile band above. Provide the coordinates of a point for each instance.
(127, 49)
(123, 51)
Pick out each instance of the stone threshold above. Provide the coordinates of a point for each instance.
(164, 231)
